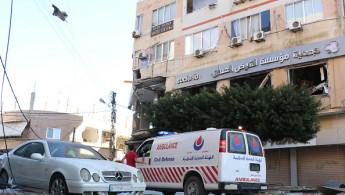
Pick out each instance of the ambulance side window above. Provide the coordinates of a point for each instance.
(145, 149)
(255, 147)
(236, 143)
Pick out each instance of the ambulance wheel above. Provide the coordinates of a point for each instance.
(168, 193)
(194, 186)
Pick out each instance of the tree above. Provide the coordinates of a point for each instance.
(283, 113)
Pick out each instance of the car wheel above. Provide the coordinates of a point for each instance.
(3, 177)
(58, 185)
(194, 186)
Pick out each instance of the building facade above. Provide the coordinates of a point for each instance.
(189, 44)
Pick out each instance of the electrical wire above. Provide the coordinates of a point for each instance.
(70, 45)
(15, 97)
(2, 88)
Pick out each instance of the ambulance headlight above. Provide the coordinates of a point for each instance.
(263, 187)
(231, 187)
(140, 176)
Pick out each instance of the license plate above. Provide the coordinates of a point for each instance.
(119, 188)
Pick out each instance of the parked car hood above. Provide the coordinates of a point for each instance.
(96, 164)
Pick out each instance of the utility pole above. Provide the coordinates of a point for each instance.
(112, 106)
(113, 121)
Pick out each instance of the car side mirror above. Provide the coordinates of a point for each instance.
(37, 156)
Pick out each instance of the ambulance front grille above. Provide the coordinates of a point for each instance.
(114, 176)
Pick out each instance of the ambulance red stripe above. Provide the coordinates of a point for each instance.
(173, 173)
(165, 175)
(179, 170)
(212, 175)
(155, 176)
(207, 175)
(147, 175)
(158, 175)
(150, 174)
(162, 175)
(215, 170)
(178, 173)
(171, 178)
(202, 175)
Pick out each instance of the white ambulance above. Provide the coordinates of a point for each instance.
(213, 160)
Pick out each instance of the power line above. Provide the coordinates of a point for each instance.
(2, 85)
(15, 97)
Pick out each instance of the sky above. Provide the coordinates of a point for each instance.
(69, 65)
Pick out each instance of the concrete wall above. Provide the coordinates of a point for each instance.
(39, 122)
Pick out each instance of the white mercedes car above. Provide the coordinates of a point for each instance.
(67, 167)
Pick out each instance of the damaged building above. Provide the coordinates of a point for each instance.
(190, 44)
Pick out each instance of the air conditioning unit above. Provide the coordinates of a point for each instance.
(212, 5)
(259, 36)
(236, 41)
(295, 26)
(239, 1)
(136, 34)
(142, 56)
(199, 53)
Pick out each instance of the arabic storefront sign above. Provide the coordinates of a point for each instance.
(188, 78)
(296, 55)
(162, 28)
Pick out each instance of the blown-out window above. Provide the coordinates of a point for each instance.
(205, 39)
(314, 77)
(304, 11)
(254, 81)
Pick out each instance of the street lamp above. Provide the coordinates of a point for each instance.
(112, 106)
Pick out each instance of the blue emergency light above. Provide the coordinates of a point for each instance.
(165, 133)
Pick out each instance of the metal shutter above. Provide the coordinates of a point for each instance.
(316, 165)
(278, 167)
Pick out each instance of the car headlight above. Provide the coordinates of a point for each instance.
(85, 174)
(140, 176)
(135, 179)
(95, 177)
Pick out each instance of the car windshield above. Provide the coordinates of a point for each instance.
(69, 150)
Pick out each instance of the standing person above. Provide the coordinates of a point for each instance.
(131, 157)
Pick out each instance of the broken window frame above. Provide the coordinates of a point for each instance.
(317, 85)
(266, 80)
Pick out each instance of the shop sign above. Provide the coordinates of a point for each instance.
(296, 55)
(162, 28)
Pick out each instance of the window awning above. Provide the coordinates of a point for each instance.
(12, 128)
